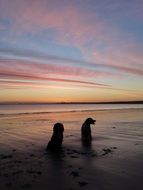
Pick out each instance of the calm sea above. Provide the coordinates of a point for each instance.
(47, 108)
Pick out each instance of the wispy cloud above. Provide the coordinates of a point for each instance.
(95, 37)
(16, 73)
(42, 73)
(59, 65)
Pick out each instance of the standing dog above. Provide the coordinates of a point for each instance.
(86, 130)
(57, 137)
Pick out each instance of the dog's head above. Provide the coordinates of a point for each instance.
(90, 121)
(58, 128)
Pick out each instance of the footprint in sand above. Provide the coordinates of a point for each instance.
(25, 186)
(114, 147)
(8, 184)
(82, 183)
(31, 155)
(74, 174)
(69, 166)
(74, 156)
(31, 171)
(6, 156)
(13, 150)
(108, 150)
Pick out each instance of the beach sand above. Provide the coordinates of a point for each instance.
(113, 161)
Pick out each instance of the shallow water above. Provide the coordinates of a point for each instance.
(16, 130)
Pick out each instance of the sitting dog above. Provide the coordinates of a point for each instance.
(86, 130)
(57, 137)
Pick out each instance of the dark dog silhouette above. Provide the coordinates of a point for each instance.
(57, 138)
(86, 130)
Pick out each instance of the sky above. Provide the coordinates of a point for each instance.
(71, 50)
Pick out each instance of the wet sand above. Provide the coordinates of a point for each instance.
(113, 161)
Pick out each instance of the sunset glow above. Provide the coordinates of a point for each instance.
(71, 51)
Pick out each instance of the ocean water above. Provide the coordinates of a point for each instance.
(48, 108)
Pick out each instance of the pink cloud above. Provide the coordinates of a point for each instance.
(27, 68)
(25, 74)
(75, 27)
(127, 61)
(72, 25)
(60, 73)
(42, 73)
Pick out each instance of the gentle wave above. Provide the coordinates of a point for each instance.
(61, 108)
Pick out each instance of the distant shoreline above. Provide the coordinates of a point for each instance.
(29, 103)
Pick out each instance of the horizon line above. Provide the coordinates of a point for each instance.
(107, 102)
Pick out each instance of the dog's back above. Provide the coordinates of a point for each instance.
(55, 142)
(86, 130)
(57, 137)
